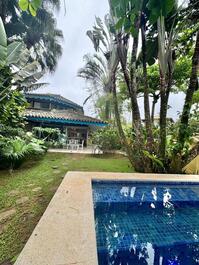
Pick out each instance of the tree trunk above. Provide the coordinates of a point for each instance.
(153, 110)
(193, 83)
(155, 100)
(107, 109)
(118, 122)
(163, 117)
(146, 92)
(133, 87)
(165, 88)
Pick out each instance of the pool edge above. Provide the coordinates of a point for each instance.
(71, 210)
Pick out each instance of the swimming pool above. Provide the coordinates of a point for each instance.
(146, 223)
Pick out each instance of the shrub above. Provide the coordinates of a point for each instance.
(14, 151)
(51, 136)
(8, 131)
(106, 139)
(47, 134)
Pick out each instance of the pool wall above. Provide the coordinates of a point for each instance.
(65, 234)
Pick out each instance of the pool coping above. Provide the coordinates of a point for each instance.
(65, 234)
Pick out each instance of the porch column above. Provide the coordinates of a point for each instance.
(87, 134)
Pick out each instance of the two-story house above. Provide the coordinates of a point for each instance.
(55, 111)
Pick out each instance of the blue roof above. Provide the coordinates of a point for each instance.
(54, 98)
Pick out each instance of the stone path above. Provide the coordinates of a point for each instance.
(54, 167)
(84, 151)
(22, 200)
(56, 171)
(37, 189)
(7, 214)
(30, 185)
(13, 192)
(49, 180)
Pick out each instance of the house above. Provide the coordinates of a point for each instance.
(55, 111)
(156, 120)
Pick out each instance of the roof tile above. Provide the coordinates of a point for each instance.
(61, 114)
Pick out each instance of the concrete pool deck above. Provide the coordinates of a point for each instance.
(65, 234)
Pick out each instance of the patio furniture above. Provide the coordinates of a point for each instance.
(73, 144)
(81, 146)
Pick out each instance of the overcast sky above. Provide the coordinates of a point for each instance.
(79, 17)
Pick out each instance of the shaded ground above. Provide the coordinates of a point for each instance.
(25, 194)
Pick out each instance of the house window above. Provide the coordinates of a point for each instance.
(44, 105)
(41, 105)
(36, 105)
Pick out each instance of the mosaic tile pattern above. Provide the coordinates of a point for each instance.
(121, 230)
(143, 193)
(163, 221)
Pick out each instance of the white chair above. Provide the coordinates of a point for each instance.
(73, 144)
(81, 146)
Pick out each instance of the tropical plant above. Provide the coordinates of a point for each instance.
(14, 151)
(107, 139)
(32, 6)
(12, 110)
(95, 72)
(38, 32)
(47, 134)
(160, 31)
(18, 69)
(98, 68)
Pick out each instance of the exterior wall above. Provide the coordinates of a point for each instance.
(51, 103)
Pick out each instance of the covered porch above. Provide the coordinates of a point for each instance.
(74, 126)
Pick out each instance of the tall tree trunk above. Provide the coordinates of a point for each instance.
(153, 110)
(165, 89)
(118, 122)
(133, 87)
(146, 91)
(107, 109)
(163, 117)
(193, 83)
(155, 100)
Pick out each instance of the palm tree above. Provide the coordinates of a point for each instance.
(95, 72)
(39, 33)
(98, 68)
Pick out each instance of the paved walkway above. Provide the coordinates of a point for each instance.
(67, 151)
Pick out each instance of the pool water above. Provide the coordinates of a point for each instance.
(146, 223)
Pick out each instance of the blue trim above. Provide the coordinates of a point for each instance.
(54, 100)
(66, 121)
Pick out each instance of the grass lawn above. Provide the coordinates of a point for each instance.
(25, 194)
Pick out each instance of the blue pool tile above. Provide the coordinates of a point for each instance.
(133, 218)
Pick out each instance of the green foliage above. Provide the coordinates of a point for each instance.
(181, 73)
(38, 31)
(106, 139)
(127, 13)
(196, 97)
(12, 108)
(14, 151)
(159, 8)
(3, 44)
(9, 53)
(10, 131)
(47, 134)
(51, 136)
(156, 162)
(31, 5)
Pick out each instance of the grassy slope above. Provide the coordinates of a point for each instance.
(15, 231)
